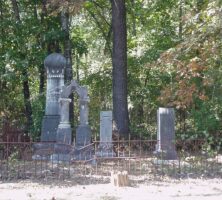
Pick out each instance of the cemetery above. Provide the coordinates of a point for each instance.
(58, 155)
(110, 100)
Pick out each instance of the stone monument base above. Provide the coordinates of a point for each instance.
(62, 153)
(105, 151)
(166, 154)
(59, 158)
(42, 151)
(64, 134)
(49, 127)
(83, 135)
(84, 153)
(165, 148)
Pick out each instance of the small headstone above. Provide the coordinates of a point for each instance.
(106, 128)
(105, 146)
(83, 135)
(83, 131)
(64, 132)
(166, 134)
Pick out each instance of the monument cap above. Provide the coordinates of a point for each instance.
(55, 61)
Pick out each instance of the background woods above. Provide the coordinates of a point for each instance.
(161, 53)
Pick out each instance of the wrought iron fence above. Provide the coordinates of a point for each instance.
(18, 160)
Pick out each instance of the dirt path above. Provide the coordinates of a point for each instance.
(150, 190)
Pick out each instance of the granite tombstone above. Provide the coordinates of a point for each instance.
(106, 146)
(106, 128)
(54, 64)
(64, 131)
(165, 147)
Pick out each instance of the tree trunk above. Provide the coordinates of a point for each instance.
(119, 62)
(3, 83)
(106, 36)
(26, 91)
(16, 10)
(180, 20)
(77, 67)
(134, 18)
(40, 43)
(200, 5)
(67, 45)
(42, 68)
(68, 56)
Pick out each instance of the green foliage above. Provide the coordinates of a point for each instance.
(38, 112)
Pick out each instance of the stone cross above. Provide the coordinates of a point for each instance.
(166, 134)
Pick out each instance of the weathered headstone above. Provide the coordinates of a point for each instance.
(166, 134)
(83, 132)
(83, 135)
(54, 64)
(106, 128)
(84, 111)
(56, 125)
(105, 147)
(64, 132)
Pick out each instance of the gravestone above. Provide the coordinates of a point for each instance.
(64, 132)
(105, 147)
(106, 128)
(83, 136)
(83, 131)
(54, 64)
(56, 125)
(165, 147)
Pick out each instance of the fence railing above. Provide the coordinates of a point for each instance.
(21, 160)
